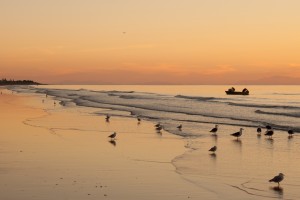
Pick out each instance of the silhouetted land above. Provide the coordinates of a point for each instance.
(18, 82)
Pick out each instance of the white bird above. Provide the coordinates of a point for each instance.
(213, 149)
(238, 134)
(214, 130)
(113, 136)
(277, 179)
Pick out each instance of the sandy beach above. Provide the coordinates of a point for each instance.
(49, 151)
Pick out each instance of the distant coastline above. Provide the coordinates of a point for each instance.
(18, 82)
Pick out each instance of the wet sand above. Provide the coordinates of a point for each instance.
(54, 152)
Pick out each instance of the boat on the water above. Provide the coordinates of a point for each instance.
(232, 91)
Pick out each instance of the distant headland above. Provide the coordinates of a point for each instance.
(4, 81)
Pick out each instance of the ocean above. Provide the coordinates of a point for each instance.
(241, 165)
(191, 106)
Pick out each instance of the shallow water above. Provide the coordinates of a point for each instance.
(278, 106)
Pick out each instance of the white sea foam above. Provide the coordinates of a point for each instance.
(191, 111)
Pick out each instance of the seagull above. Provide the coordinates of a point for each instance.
(290, 132)
(179, 127)
(269, 133)
(157, 125)
(213, 149)
(113, 136)
(258, 130)
(159, 128)
(214, 130)
(238, 134)
(268, 127)
(277, 179)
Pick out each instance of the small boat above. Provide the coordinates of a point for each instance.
(237, 93)
(232, 91)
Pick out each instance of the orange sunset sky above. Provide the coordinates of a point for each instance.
(151, 41)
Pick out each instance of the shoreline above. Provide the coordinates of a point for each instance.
(71, 145)
(140, 152)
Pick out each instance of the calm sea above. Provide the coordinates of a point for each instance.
(171, 105)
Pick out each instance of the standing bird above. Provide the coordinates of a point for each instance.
(269, 133)
(214, 130)
(238, 134)
(107, 118)
(290, 132)
(139, 119)
(113, 136)
(157, 125)
(258, 130)
(277, 179)
(213, 149)
(268, 127)
(159, 128)
(179, 127)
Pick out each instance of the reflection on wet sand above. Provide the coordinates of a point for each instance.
(113, 142)
(270, 142)
(277, 190)
(238, 142)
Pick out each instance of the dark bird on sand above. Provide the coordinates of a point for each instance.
(238, 134)
(139, 119)
(180, 126)
(269, 133)
(277, 179)
(159, 128)
(157, 125)
(258, 130)
(107, 118)
(213, 149)
(290, 132)
(214, 130)
(113, 136)
(268, 127)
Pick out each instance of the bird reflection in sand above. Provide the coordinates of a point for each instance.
(237, 142)
(270, 141)
(277, 190)
(213, 156)
(214, 137)
(113, 142)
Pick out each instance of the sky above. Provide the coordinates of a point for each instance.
(151, 42)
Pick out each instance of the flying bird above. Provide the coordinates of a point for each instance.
(214, 130)
(213, 149)
(113, 136)
(277, 179)
(238, 134)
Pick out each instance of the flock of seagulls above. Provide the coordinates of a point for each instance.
(269, 132)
